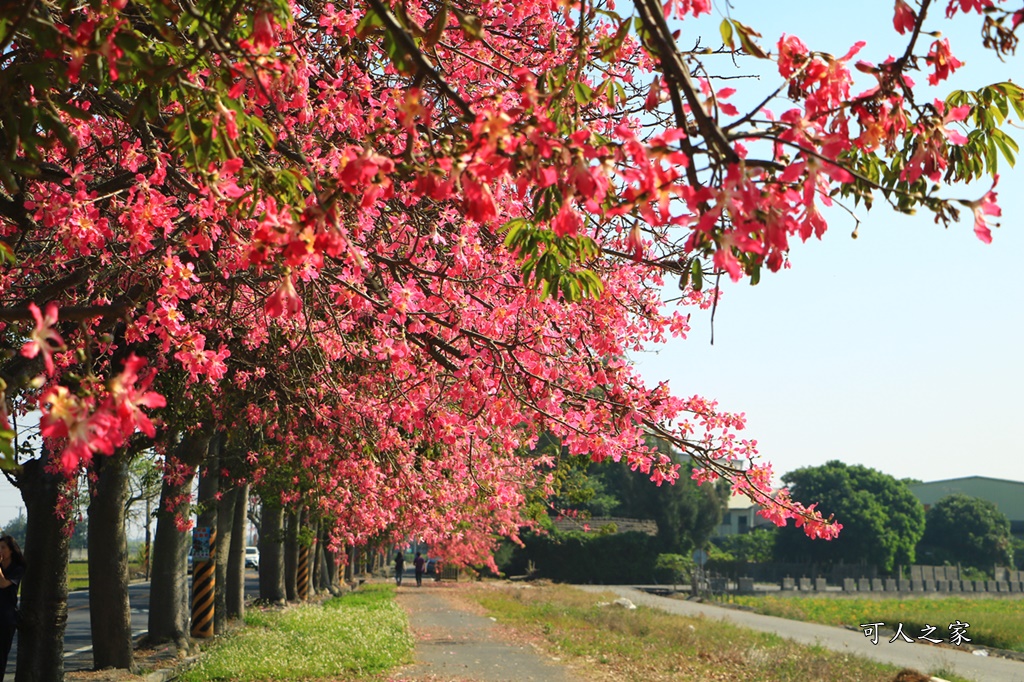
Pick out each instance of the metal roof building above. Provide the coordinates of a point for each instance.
(1008, 496)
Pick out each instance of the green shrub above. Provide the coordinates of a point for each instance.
(577, 557)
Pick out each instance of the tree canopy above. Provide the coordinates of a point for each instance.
(882, 520)
(965, 530)
(395, 243)
(686, 514)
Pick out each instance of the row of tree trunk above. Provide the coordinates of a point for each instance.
(223, 508)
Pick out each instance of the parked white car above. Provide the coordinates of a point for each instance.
(252, 557)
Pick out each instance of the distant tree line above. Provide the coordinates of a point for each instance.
(686, 514)
(884, 525)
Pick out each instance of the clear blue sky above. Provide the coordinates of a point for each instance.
(899, 350)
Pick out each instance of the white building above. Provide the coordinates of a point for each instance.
(740, 516)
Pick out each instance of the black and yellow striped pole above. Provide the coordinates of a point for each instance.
(204, 579)
(302, 574)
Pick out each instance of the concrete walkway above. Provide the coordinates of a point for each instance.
(919, 656)
(455, 642)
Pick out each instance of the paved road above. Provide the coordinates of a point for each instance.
(78, 633)
(921, 657)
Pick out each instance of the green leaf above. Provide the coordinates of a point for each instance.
(696, 275)
(747, 35)
(725, 28)
(369, 24)
(437, 26)
(584, 93)
(611, 48)
(7, 461)
(513, 228)
(1007, 145)
(399, 58)
(471, 25)
(684, 278)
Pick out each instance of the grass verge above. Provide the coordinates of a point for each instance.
(648, 645)
(993, 622)
(355, 636)
(78, 574)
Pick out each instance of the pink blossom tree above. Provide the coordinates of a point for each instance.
(402, 241)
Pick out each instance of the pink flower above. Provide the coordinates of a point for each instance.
(44, 338)
(983, 207)
(904, 19)
(966, 6)
(567, 222)
(942, 60)
(66, 416)
(129, 399)
(792, 54)
(478, 201)
(263, 31)
(634, 242)
(285, 301)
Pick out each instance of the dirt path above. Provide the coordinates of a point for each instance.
(455, 641)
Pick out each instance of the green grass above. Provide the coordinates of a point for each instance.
(649, 645)
(355, 636)
(996, 623)
(78, 574)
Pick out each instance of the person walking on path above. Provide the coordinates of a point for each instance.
(419, 563)
(12, 569)
(399, 567)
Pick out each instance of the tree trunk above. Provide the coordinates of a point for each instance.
(204, 613)
(235, 585)
(44, 589)
(350, 566)
(332, 571)
(109, 611)
(327, 560)
(147, 554)
(272, 588)
(225, 537)
(168, 599)
(323, 582)
(332, 567)
(291, 555)
(314, 560)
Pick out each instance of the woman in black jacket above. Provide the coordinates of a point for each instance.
(12, 569)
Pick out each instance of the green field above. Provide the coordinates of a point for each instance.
(647, 645)
(995, 623)
(78, 574)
